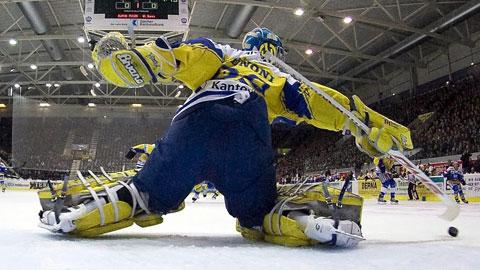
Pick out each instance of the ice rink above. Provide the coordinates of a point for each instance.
(203, 236)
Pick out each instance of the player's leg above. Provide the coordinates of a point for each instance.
(195, 196)
(462, 195)
(244, 161)
(178, 161)
(415, 193)
(455, 188)
(215, 194)
(383, 189)
(393, 189)
(410, 191)
(205, 192)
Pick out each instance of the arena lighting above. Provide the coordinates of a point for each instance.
(347, 19)
(56, 84)
(90, 66)
(92, 91)
(13, 42)
(12, 70)
(91, 104)
(299, 11)
(308, 51)
(33, 66)
(178, 94)
(3, 105)
(97, 84)
(44, 104)
(181, 86)
(48, 85)
(16, 85)
(136, 105)
(81, 39)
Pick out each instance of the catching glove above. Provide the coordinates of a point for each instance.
(384, 133)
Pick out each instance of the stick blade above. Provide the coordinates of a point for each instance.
(451, 213)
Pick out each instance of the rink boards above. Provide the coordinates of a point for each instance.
(368, 189)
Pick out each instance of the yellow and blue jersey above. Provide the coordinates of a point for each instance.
(144, 150)
(215, 72)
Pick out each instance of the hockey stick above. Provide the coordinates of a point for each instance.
(60, 201)
(342, 192)
(452, 210)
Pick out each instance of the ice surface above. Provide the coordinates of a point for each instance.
(405, 236)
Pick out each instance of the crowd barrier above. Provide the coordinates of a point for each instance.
(24, 184)
(369, 189)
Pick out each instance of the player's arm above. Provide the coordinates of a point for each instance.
(191, 62)
(303, 104)
(139, 149)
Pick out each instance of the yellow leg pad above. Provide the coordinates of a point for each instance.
(148, 220)
(92, 219)
(96, 231)
(286, 232)
(250, 234)
(288, 241)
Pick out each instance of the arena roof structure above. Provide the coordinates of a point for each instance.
(349, 45)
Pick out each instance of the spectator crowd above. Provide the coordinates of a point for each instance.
(450, 126)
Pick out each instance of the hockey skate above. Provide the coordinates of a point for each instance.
(393, 201)
(381, 200)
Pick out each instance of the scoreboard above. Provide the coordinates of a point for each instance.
(147, 15)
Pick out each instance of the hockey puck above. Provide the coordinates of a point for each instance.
(453, 231)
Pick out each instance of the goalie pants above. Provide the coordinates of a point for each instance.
(224, 142)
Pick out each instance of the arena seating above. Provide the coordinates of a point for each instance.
(453, 128)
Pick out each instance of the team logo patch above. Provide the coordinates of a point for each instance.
(126, 60)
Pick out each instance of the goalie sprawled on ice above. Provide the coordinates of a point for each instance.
(221, 134)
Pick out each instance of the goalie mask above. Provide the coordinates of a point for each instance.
(264, 41)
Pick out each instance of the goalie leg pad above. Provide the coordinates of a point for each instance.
(285, 231)
(95, 210)
(310, 202)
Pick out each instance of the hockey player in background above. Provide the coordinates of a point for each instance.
(412, 186)
(144, 150)
(383, 167)
(204, 188)
(455, 180)
(222, 134)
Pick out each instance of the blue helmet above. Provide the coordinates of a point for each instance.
(263, 40)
